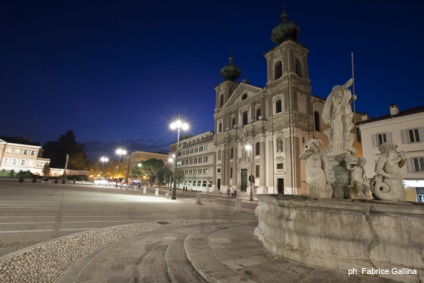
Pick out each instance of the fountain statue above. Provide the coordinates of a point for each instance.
(387, 184)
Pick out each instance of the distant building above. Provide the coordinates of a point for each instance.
(196, 159)
(406, 130)
(20, 154)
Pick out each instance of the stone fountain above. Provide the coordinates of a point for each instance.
(339, 225)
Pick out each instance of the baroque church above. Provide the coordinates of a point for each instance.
(260, 132)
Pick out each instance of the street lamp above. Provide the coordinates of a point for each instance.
(120, 152)
(178, 124)
(248, 148)
(103, 159)
(171, 161)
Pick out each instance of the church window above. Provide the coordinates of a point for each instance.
(245, 121)
(278, 70)
(278, 107)
(317, 121)
(233, 122)
(232, 153)
(298, 68)
(244, 96)
(220, 127)
(258, 113)
(257, 148)
(221, 100)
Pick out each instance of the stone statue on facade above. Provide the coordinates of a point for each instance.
(387, 183)
(316, 179)
(338, 114)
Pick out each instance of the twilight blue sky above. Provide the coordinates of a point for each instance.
(117, 72)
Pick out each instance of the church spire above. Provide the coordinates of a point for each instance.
(286, 30)
(230, 72)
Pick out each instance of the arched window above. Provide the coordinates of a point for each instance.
(317, 121)
(278, 70)
(258, 113)
(298, 68)
(244, 96)
(233, 122)
(232, 153)
(221, 100)
(278, 106)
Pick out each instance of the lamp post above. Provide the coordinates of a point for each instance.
(178, 124)
(120, 152)
(248, 148)
(103, 159)
(171, 161)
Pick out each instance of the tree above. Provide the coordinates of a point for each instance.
(46, 169)
(150, 168)
(66, 144)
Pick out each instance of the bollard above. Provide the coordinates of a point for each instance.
(199, 198)
(157, 192)
(237, 208)
(144, 190)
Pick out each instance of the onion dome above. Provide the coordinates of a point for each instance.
(230, 72)
(286, 30)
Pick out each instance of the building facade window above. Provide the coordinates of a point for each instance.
(8, 150)
(245, 120)
(317, 120)
(232, 153)
(380, 138)
(418, 164)
(25, 152)
(278, 70)
(5, 160)
(221, 100)
(298, 67)
(413, 135)
(32, 152)
(280, 166)
(23, 161)
(278, 106)
(257, 148)
(258, 113)
(257, 171)
(14, 161)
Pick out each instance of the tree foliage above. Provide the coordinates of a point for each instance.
(150, 168)
(66, 144)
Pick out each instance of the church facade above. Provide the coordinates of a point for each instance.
(260, 132)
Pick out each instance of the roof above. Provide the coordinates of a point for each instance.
(415, 110)
(19, 140)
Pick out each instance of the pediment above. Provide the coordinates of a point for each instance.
(242, 89)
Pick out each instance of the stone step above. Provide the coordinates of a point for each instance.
(179, 267)
(201, 255)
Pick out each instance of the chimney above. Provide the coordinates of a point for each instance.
(365, 117)
(394, 109)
